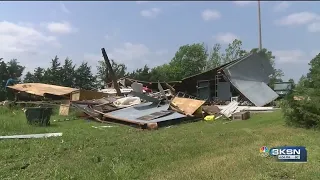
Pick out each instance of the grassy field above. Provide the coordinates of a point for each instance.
(198, 150)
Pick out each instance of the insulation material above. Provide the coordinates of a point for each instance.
(127, 102)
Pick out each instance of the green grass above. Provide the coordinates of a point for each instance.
(192, 151)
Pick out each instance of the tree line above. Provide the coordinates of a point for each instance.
(189, 59)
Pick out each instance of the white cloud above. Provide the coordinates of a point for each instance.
(129, 52)
(125, 53)
(290, 56)
(60, 27)
(208, 15)
(300, 18)
(314, 27)
(150, 13)
(64, 8)
(22, 38)
(133, 55)
(244, 3)
(225, 38)
(281, 6)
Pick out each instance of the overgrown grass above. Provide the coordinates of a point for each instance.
(198, 150)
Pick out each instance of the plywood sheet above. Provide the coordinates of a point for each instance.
(40, 89)
(188, 106)
(64, 109)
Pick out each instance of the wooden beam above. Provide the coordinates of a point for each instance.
(109, 67)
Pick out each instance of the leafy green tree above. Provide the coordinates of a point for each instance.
(215, 57)
(103, 74)
(11, 69)
(84, 78)
(305, 112)
(233, 51)
(142, 74)
(188, 60)
(14, 69)
(291, 80)
(161, 73)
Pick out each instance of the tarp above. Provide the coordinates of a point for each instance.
(251, 76)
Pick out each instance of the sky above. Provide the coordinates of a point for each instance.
(150, 32)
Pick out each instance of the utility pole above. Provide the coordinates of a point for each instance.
(259, 19)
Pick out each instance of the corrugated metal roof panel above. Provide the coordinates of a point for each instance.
(250, 76)
(137, 111)
(259, 93)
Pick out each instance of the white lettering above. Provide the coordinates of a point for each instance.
(276, 152)
(289, 157)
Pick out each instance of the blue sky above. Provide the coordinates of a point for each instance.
(138, 33)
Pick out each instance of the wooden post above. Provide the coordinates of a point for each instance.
(113, 77)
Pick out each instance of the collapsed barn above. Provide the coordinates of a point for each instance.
(247, 77)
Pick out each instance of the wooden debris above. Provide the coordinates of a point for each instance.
(244, 115)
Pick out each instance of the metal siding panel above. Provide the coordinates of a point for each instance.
(252, 68)
(132, 113)
(258, 93)
(250, 76)
(224, 92)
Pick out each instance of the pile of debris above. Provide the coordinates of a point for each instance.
(144, 109)
(134, 102)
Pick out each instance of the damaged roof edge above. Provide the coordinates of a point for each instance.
(146, 81)
(250, 84)
(219, 67)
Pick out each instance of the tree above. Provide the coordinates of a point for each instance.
(291, 80)
(84, 78)
(233, 51)
(67, 73)
(142, 74)
(14, 69)
(11, 69)
(29, 78)
(119, 71)
(305, 112)
(53, 74)
(188, 60)
(215, 57)
(161, 73)
(38, 75)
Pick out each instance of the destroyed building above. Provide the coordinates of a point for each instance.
(247, 77)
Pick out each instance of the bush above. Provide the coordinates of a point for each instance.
(302, 113)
